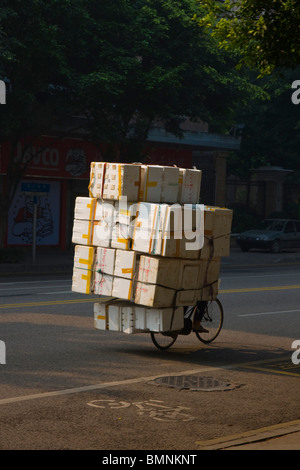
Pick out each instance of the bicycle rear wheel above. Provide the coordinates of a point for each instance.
(163, 340)
(212, 321)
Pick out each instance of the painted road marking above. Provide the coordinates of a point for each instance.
(259, 289)
(283, 366)
(97, 299)
(55, 302)
(257, 365)
(267, 313)
(155, 409)
(88, 388)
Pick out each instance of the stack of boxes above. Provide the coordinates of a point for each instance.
(146, 245)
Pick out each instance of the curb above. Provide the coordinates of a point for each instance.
(248, 437)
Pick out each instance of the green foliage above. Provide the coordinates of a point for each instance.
(265, 34)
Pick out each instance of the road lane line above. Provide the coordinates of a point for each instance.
(87, 388)
(258, 289)
(53, 302)
(267, 313)
(97, 299)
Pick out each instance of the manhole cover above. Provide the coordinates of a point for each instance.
(206, 384)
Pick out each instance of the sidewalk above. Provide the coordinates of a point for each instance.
(284, 436)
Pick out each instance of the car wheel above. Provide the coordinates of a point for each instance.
(275, 247)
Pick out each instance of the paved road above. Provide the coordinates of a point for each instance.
(68, 386)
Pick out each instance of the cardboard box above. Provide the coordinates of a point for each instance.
(209, 292)
(189, 185)
(217, 230)
(157, 270)
(97, 173)
(121, 179)
(153, 295)
(183, 233)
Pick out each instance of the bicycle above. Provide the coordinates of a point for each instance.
(210, 314)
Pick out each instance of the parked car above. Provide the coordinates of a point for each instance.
(271, 234)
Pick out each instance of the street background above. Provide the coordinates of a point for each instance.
(68, 386)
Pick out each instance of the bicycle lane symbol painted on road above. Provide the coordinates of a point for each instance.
(154, 409)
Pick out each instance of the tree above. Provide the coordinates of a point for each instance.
(266, 34)
(119, 65)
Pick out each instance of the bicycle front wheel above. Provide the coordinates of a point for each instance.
(212, 321)
(163, 340)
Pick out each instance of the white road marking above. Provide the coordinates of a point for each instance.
(268, 313)
(87, 388)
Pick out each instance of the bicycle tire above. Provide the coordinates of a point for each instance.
(163, 341)
(212, 321)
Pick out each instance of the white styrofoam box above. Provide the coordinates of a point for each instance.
(104, 210)
(84, 257)
(157, 270)
(170, 185)
(153, 183)
(82, 280)
(123, 288)
(183, 234)
(104, 269)
(125, 264)
(103, 284)
(101, 233)
(82, 233)
(122, 230)
(84, 208)
(97, 173)
(114, 317)
(121, 179)
(100, 316)
(149, 222)
(189, 185)
(83, 266)
(165, 319)
(105, 260)
(140, 318)
(153, 295)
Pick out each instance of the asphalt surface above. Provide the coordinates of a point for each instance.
(284, 436)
